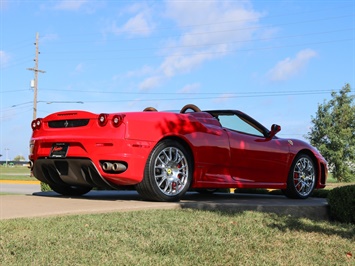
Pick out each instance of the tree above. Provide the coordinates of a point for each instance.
(333, 133)
(19, 158)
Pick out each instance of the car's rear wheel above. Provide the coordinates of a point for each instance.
(302, 178)
(70, 190)
(168, 172)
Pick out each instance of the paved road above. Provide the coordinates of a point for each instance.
(39, 204)
(19, 188)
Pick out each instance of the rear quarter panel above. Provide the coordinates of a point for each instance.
(207, 141)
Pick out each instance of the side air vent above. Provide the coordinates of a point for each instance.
(69, 123)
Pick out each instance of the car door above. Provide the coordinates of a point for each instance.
(255, 159)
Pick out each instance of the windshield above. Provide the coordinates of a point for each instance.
(234, 122)
(239, 121)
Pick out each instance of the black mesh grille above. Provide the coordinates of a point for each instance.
(68, 123)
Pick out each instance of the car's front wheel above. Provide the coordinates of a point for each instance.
(168, 172)
(302, 178)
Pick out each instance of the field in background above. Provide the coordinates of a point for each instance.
(16, 173)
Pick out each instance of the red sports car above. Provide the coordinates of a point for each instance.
(164, 154)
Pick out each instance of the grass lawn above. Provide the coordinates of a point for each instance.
(173, 237)
(15, 173)
(176, 237)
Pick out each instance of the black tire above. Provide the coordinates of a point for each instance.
(70, 190)
(167, 174)
(302, 178)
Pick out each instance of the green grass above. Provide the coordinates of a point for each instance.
(175, 237)
(15, 173)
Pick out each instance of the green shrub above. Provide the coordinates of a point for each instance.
(45, 187)
(320, 193)
(342, 203)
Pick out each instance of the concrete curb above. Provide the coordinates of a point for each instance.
(51, 204)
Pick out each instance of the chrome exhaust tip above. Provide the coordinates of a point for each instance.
(119, 167)
(107, 166)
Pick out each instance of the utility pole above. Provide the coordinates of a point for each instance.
(35, 83)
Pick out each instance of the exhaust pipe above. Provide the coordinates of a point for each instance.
(115, 167)
(118, 167)
(107, 166)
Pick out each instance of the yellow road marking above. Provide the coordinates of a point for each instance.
(22, 182)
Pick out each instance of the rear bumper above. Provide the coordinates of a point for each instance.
(84, 163)
(69, 171)
(82, 172)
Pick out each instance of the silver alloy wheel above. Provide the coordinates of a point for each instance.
(171, 171)
(304, 176)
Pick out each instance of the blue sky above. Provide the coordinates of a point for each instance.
(275, 60)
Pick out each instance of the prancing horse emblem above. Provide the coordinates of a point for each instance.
(66, 124)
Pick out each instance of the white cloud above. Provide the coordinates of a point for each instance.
(174, 65)
(190, 88)
(145, 70)
(202, 31)
(207, 30)
(138, 24)
(4, 4)
(290, 67)
(224, 98)
(151, 82)
(86, 6)
(215, 29)
(4, 59)
(70, 4)
(49, 37)
(79, 68)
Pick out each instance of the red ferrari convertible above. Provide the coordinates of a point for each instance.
(164, 154)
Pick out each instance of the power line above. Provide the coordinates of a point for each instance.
(194, 93)
(225, 31)
(234, 21)
(214, 95)
(13, 91)
(203, 45)
(205, 98)
(211, 52)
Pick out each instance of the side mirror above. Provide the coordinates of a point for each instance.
(274, 130)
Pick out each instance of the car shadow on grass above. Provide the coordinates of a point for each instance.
(346, 231)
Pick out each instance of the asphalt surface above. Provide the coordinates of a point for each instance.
(33, 203)
(20, 187)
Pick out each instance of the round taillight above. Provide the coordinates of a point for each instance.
(117, 120)
(33, 124)
(103, 119)
(36, 124)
